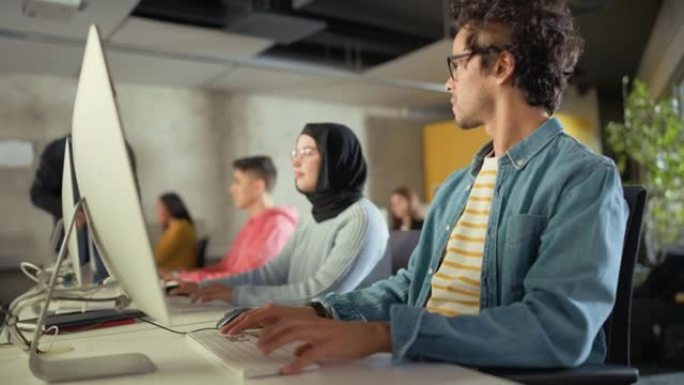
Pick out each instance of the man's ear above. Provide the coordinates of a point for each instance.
(260, 185)
(504, 68)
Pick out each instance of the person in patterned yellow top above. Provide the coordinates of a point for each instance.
(177, 247)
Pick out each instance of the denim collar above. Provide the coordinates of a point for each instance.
(523, 151)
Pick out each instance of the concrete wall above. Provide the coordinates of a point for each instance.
(35, 111)
(394, 144)
(185, 141)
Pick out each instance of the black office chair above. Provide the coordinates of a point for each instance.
(202, 251)
(400, 247)
(381, 270)
(616, 369)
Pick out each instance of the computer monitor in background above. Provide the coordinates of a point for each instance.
(87, 264)
(68, 204)
(106, 182)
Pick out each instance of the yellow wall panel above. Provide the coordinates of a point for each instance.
(446, 149)
(582, 130)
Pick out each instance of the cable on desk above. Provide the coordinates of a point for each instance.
(5, 318)
(31, 271)
(175, 331)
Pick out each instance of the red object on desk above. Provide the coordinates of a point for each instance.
(101, 325)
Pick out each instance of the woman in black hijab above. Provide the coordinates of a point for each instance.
(341, 171)
(334, 250)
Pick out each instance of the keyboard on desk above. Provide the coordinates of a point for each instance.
(240, 355)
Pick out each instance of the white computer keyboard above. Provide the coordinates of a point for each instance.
(240, 355)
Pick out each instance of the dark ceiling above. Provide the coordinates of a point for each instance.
(615, 39)
(359, 34)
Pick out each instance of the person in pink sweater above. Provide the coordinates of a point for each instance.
(266, 231)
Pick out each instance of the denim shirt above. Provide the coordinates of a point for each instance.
(550, 266)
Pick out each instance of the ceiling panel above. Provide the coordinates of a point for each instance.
(259, 79)
(360, 92)
(179, 39)
(39, 58)
(136, 68)
(107, 14)
(427, 64)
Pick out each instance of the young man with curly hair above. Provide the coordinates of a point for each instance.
(518, 261)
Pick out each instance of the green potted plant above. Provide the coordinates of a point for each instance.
(652, 138)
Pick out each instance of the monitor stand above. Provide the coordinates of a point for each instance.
(51, 370)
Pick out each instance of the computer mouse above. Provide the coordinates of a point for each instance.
(231, 315)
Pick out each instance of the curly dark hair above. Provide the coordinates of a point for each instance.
(540, 34)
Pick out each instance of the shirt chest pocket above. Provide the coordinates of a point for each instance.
(523, 228)
(520, 249)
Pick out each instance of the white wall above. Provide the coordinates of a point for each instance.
(177, 135)
(184, 140)
(664, 53)
(33, 111)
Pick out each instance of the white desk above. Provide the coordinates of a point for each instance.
(178, 363)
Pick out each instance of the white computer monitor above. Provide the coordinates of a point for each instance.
(106, 183)
(68, 211)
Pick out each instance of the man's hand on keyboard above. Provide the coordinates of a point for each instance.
(266, 315)
(212, 292)
(184, 288)
(325, 339)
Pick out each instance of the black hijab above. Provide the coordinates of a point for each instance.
(343, 169)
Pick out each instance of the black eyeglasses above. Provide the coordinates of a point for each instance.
(452, 60)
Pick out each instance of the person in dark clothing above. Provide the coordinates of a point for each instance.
(46, 194)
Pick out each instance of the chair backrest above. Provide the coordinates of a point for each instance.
(617, 326)
(202, 251)
(381, 270)
(400, 247)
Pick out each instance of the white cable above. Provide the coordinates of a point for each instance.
(35, 276)
(84, 304)
(53, 339)
(33, 297)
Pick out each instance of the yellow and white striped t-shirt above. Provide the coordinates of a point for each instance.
(456, 284)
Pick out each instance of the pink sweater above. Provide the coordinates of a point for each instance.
(261, 238)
